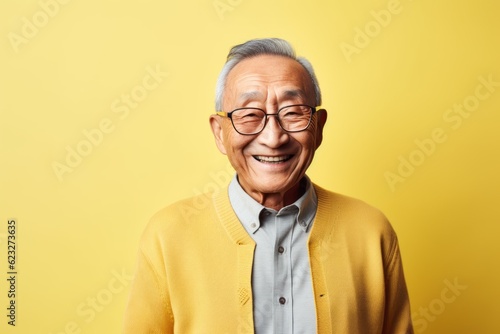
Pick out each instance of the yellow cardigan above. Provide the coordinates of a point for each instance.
(195, 263)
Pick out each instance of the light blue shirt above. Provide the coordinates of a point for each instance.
(281, 275)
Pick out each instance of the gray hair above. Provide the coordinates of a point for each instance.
(255, 47)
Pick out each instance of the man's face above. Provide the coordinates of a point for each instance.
(272, 161)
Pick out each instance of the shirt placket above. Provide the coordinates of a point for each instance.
(282, 296)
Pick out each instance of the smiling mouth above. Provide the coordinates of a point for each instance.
(272, 160)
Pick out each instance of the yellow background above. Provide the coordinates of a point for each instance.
(75, 235)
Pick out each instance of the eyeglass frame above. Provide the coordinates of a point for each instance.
(229, 115)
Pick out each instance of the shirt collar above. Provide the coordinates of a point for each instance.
(250, 212)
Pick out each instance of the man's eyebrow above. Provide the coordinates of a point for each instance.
(246, 97)
(293, 93)
(250, 96)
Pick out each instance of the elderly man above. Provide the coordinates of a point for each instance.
(272, 253)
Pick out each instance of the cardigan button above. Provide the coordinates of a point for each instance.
(282, 300)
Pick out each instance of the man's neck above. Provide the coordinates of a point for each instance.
(277, 201)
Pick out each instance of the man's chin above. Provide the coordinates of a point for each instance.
(272, 186)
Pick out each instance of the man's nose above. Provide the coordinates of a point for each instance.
(273, 134)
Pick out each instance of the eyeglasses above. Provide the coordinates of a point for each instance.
(251, 121)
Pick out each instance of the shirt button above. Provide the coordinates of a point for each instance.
(281, 249)
(253, 225)
(282, 300)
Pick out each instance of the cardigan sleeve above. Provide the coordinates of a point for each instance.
(397, 316)
(148, 309)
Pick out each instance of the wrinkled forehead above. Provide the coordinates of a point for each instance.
(286, 92)
(254, 77)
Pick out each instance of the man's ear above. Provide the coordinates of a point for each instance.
(322, 116)
(217, 130)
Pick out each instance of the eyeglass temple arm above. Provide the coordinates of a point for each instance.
(222, 113)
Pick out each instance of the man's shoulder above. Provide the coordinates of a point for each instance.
(330, 198)
(181, 214)
(346, 212)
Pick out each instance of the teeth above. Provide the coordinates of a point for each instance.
(272, 159)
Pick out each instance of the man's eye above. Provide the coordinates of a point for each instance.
(292, 113)
(251, 115)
